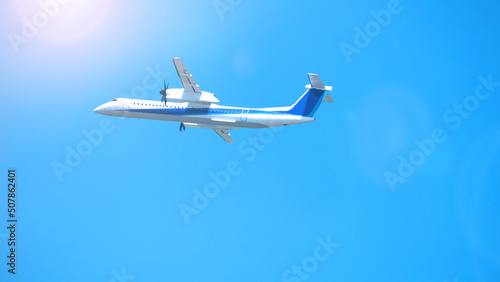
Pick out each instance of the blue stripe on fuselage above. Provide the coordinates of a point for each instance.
(186, 111)
(200, 111)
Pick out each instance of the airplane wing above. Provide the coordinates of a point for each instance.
(224, 134)
(185, 76)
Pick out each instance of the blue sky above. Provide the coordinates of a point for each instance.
(395, 181)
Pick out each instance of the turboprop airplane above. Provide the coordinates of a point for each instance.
(195, 108)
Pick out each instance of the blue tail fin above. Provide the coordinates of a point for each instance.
(309, 102)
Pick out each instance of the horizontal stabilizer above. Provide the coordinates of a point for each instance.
(316, 83)
(328, 98)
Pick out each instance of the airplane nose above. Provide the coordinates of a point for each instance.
(99, 109)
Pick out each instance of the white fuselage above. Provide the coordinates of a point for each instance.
(205, 115)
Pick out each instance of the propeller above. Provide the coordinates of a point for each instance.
(164, 92)
(182, 127)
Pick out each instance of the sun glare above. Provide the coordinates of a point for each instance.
(65, 21)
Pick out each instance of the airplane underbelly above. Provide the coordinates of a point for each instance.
(250, 121)
(274, 120)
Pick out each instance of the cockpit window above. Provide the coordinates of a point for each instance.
(115, 99)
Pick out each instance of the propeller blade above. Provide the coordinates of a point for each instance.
(164, 92)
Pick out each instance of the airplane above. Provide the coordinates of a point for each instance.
(193, 107)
